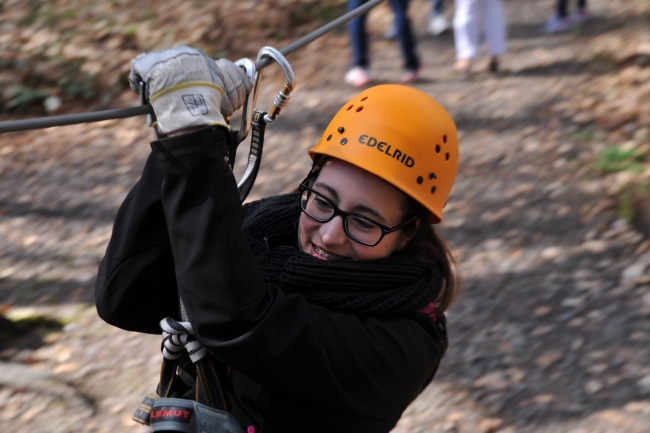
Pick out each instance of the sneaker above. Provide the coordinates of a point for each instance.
(557, 25)
(357, 77)
(438, 25)
(410, 76)
(579, 16)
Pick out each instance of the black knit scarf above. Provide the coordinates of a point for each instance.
(391, 285)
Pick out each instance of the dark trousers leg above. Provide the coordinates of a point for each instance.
(405, 34)
(437, 7)
(358, 36)
(562, 8)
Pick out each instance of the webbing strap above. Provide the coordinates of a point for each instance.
(178, 338)
(258, 126)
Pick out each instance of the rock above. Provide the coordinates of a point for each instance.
(595, 246)
(551, 253)
(494, 381)
(573, 302)
(593, 386)
(52, 104)
(644, 385)
(634, 271)
(547, 359)
(488, 425)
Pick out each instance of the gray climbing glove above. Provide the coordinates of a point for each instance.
(187, 88)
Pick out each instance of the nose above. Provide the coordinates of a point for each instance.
(332, 232)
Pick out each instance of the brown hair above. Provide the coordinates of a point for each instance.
(427, 245)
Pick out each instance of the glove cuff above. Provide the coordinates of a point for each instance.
(188, 105)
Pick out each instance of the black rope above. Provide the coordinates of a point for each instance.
(121, 113)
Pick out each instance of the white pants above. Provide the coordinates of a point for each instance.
(469, 18)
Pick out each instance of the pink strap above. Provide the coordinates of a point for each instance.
(251, 429)
(429, 309)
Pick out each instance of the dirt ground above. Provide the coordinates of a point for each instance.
(551, 332)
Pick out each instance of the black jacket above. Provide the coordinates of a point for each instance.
(295, 366)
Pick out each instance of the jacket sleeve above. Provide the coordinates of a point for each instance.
(136, 283)
(279, 340)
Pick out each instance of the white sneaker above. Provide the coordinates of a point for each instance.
(438, 25)
(357, 77)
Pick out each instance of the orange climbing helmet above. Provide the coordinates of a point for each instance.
(401, 135)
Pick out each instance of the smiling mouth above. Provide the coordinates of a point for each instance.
(325, 255)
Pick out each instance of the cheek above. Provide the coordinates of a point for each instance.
(306, 229)
(384, 249)
(364, 252)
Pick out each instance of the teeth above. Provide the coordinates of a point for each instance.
(324, 254)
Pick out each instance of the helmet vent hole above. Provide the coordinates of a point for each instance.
(341, 129)
(444, 139)
(350, 107)
(359, 109)
(345, 140)
(420, 180)
(433, 190)
(437, 148)
(364, 98)
(329, 137)
(447, 156)
(433, 176)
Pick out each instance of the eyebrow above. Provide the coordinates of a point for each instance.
(357, 208)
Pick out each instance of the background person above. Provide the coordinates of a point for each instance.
(470, 17)
(561, 21)
(359, 75)
(326, 305)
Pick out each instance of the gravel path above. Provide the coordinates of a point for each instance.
(550, 332)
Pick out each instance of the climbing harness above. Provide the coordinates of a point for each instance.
(208, 412)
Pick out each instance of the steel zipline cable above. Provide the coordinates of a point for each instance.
(121, 113)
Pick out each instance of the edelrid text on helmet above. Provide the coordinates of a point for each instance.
(401, 135)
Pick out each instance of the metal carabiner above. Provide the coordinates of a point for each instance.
(285, 93)
(255, 76)
(249, 103)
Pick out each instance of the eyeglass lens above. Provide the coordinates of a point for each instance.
(358, 228)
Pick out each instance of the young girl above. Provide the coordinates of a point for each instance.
(326, 304)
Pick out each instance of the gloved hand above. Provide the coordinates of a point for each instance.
(187, 88)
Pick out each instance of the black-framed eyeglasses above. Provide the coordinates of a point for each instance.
(358, 227)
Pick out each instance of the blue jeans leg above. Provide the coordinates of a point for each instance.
(437, 7)
(358, 36)
(405, 34)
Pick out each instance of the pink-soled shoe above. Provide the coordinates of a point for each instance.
(410, 77)
(357, 77)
